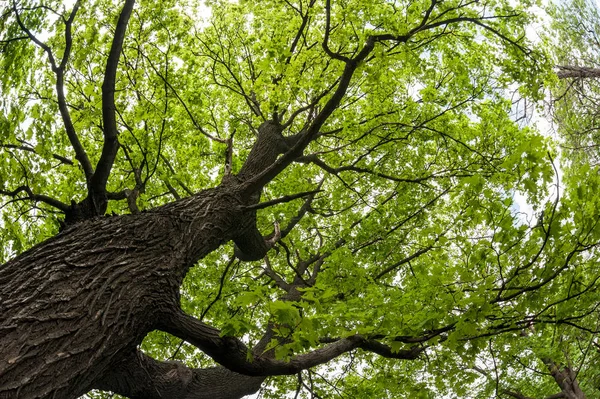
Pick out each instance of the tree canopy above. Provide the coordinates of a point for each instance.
(420, 236)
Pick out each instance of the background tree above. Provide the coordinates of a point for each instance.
(374, 147)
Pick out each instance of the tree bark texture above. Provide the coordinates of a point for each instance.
(74, 308)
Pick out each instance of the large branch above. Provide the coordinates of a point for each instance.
(236, 356)
(141, 377)
(312, 131)
(572, 71)
(566, 379)
(109, 122)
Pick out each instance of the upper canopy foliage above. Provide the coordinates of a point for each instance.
(418, 235)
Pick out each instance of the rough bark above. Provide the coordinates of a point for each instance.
(160, 380)
(75, 307)
(75, 304)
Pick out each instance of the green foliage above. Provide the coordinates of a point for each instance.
(421, 167)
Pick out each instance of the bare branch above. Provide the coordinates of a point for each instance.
(109, 122)
(60, 158)
(13, 39)
(301, 212)
(58, 70)
(184, 104)
(325, 43)
(36, 197)
(403, 261)
(221, 285)
(272, 274)
(34, 39)
(281, 200)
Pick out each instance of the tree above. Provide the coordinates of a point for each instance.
(286, 188)
(575, 45)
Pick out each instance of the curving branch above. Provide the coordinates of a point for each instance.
(325, 44)
(301, 212)
(4, 42)
(183, 103)
(60, 158)
(232, 353)
(343, 83)
(401, 262)
(312, 158)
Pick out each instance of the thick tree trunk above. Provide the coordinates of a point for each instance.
(74, 308)
(71, 305)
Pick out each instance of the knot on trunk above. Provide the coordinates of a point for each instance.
(84, 210)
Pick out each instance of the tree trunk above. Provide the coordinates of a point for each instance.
(72, 304)
(566, 379)
(75, 307)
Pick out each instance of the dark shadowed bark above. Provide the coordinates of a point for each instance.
(72, 304)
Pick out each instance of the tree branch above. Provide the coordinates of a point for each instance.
(60, 158)
(325, 43)
(234, 354)
(58, 70)
(281, 200)
(260, 180)
(183, 104)
(111, 144)
(36, 197)
(403, 261)
(301, 212)
(312, 131)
